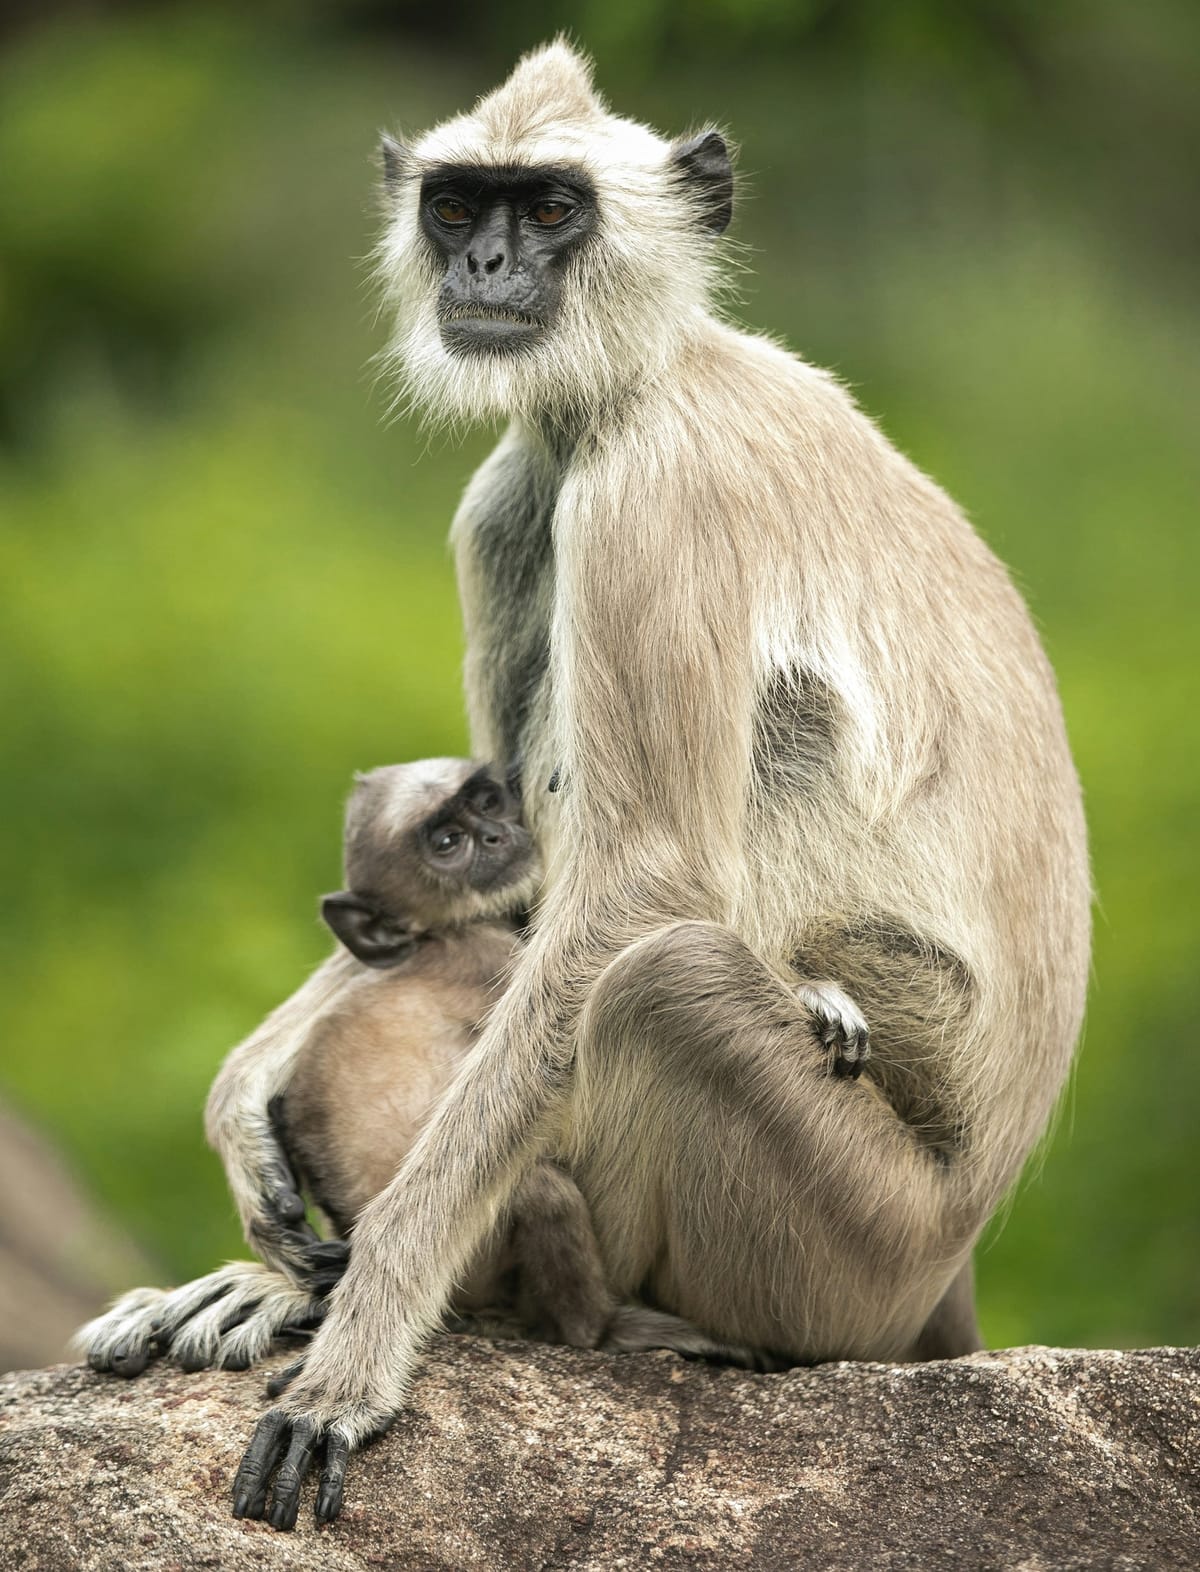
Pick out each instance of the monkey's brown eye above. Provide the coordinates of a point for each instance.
(446, 841)
(550, 213)
(451, 211)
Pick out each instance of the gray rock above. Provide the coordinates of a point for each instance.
(515, 1456)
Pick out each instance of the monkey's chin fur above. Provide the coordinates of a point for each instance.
(487, 374)
(470, 336)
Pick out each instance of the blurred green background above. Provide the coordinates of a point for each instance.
(224, 577)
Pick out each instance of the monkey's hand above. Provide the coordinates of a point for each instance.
(840, 1025)
(277, 1227)
(229, 1319)
(313, 1427)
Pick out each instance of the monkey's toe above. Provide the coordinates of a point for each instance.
(130, 1359)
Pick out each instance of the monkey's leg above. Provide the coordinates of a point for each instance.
(563, 1294)
(773, 1205)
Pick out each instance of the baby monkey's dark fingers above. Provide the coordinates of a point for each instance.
(323, 1264)
(281, 1189)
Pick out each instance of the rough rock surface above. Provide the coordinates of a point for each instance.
(519, 1457)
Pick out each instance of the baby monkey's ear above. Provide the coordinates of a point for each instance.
(367, 931)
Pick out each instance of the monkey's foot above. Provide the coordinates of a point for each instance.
(841, 1025)
(228, 1319)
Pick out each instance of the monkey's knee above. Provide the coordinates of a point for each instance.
(674, 969)
(699, 993)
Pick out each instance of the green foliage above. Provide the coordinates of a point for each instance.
(226, 585)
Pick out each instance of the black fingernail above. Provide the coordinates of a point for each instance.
(283, 1514)
(241, 1503)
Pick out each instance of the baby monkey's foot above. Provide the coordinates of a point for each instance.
(841, 1025)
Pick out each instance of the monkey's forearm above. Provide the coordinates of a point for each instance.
(239, 1127)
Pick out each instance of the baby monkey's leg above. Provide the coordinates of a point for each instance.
(564, 1295)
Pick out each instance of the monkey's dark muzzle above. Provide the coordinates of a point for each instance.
(476, 328)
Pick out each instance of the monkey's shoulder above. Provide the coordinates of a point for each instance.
(509, 500)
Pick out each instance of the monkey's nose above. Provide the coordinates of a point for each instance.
(490, 263)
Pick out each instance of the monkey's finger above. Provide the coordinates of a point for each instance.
(282, 1379)
(293, 1471)
(254, 1474)
(280, 1188)
(325, 1264)
(287, 1205)
(332, 1486)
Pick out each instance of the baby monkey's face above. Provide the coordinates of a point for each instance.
(475, 839)
(429, 846)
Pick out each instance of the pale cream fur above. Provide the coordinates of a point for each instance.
(724, 521)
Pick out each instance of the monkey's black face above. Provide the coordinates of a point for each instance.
(504, 237)
(476, 840)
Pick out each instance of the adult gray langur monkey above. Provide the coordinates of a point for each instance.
(804, 733)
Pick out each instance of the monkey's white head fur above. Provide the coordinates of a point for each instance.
(630, 293)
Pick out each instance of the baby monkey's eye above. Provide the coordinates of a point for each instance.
(550, 212)
(451, 211)
(446, 841)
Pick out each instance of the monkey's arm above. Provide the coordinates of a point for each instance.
(655, 728)
(239, 1125)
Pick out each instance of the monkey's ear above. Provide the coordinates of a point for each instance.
(706, 169)
(396, 162)
(368, 933)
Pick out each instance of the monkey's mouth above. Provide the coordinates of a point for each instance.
(474, 326)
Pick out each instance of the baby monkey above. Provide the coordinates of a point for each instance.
(439, 868)
(440, 871)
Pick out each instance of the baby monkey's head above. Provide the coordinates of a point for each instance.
(429, 845)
